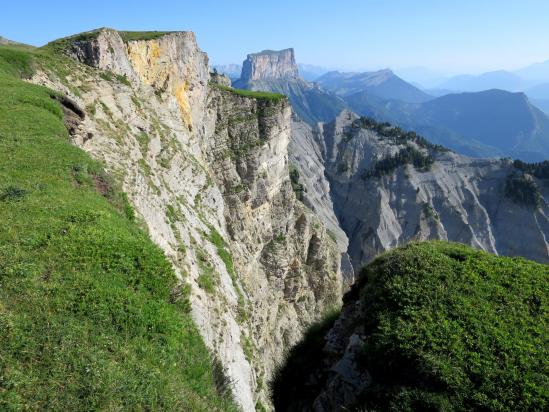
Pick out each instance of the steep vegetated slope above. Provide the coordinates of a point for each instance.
(206, 169)
(390, 187)
(92, 316)
(430, 326)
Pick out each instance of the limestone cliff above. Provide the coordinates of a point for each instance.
(270, 64)
(455, 198)
(207, 171)
(276, 71)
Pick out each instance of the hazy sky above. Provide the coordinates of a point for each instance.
(449, 36)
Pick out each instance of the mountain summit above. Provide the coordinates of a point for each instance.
(277, 71)
(270, 64)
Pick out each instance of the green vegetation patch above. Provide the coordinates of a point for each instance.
(297, 187)
(408, 155)
(60, 45)
(88, 315)
(395, 134)
(250, 93)
(453, 328)
(142, 35)
(446, 328)
(523, 190)
(539, 170)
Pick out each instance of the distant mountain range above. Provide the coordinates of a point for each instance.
(308, 72)
(383, 83)
(532, 80)
(492, 80)
(482, 123)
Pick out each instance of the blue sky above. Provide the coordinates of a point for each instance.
(447, 36)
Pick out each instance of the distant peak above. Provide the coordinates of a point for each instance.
(270, 64)
(4, 41)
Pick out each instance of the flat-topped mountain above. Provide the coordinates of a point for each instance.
(270, 64)
(276, 71)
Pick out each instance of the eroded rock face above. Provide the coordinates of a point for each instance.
(207, 171)
(459, 198)
(270, 64)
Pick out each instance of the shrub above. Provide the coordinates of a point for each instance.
(12, 193)
(297, 187)
(539, 170)
(523, 190)
(396, 134)
(408, 155)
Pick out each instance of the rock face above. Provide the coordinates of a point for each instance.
(269, 64)
(306, 156)
(459, 198)
(276, 71)
(207, 171)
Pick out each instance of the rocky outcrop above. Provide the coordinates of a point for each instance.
(276, 71)
(207, 171)
(269, 64)
(456, 198)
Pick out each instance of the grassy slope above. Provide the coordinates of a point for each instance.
(452, 328)
(251, 93)
(87, 316)
(448, 328)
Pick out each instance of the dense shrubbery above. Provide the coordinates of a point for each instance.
(539, 170)
(523, 190)
(408, 155)
(397, 135)
(446, 327)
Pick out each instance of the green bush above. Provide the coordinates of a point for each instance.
(297, 187)
(539, 170)
(523, 190)
(142, 35)
(408, 155)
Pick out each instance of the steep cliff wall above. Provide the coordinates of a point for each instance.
(455, 198)
(269, 64)
(277, 71)
(207, 171)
